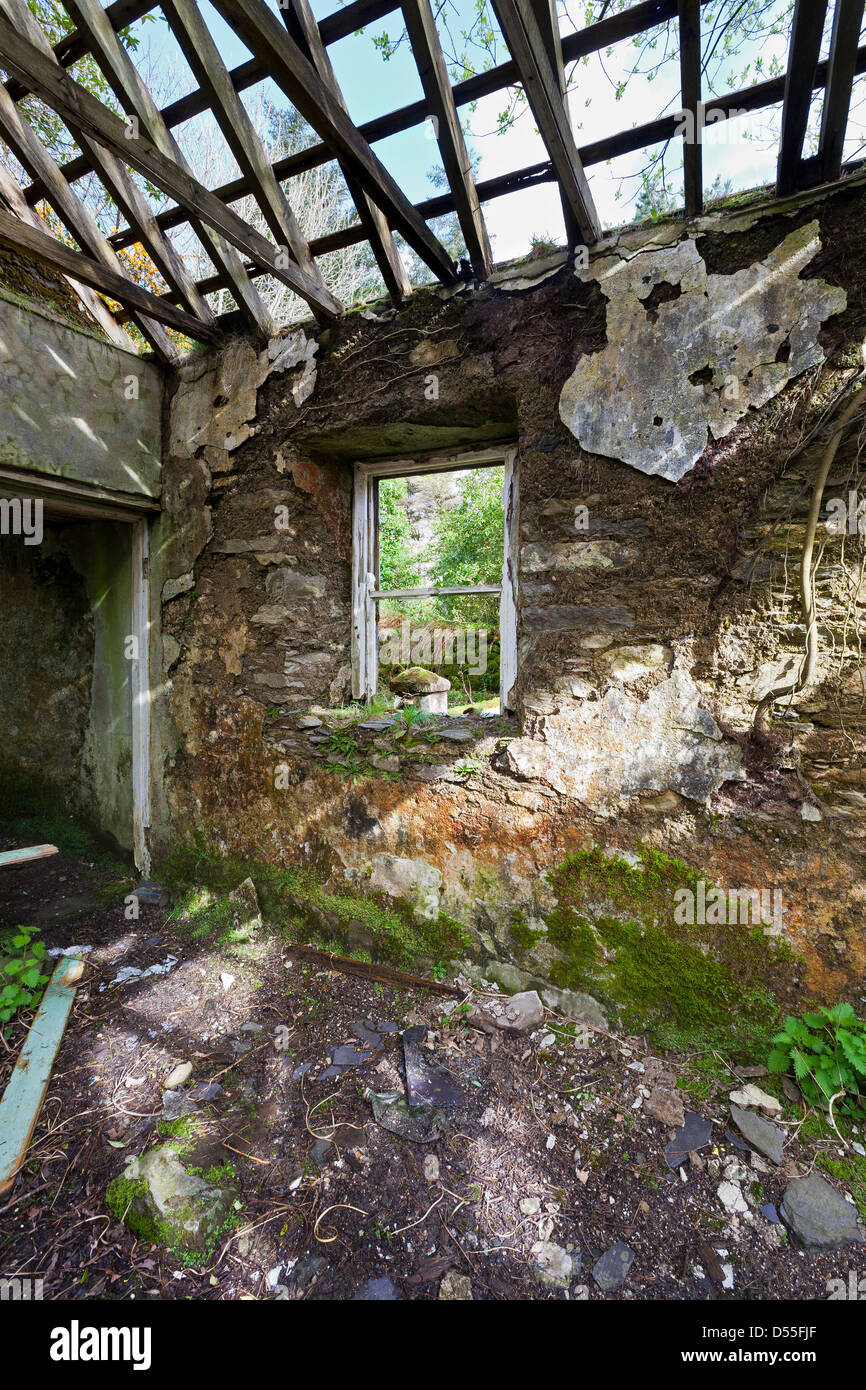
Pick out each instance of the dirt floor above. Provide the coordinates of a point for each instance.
(550, 1142)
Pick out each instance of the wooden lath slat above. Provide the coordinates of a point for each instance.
(847, 22)
(207, 66)
(136, 99)
(262, 33)
(13, 200)
(596, 36)
(74, 45)
(32, 154)
(301, 24)
(574, 46)
(433, 72)
(79, 108)
(523, 36)
(301, 66)
(755, 98)
(807, 30)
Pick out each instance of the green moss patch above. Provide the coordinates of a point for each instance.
(690, 986)
(368, 925)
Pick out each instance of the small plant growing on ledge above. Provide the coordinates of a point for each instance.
(21, 978)
(826, 1053)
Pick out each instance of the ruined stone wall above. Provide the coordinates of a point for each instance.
(65, 697)
(46, 667)
(665, 402)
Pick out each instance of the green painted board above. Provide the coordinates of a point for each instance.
(19, 1108)
(10, 857)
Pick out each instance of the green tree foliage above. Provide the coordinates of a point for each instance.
(398, 564)
(469, 540)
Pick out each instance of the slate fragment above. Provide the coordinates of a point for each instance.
(349, 1056)
(422, 1124)
(379, 1290)
(367, 1033)
(760, 1134)
(693, 1134)
(817, 1217)
(613, 1267)
(426, 1084)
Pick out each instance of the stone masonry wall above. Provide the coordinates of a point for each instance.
(664, 400)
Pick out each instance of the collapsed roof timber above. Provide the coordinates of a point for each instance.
(292, 49)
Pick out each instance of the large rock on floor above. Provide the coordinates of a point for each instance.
(517, 1013)
(165, 1205)
(817, 1217)
(575, 1005)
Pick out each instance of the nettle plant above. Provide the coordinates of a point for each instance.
(21, 977)
(826, 1053)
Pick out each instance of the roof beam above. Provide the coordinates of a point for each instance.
(548, 24)
(122, 187)
(807, 29)
(32, 154)
(433, 71)
(74, 45)
(690, 92)
(135, 98)
(301, 24)
(755, 98)
(261, 31)
(57, 254)
(240, 134)
(626, 24)
(841, 65)
(79, 108)
(523, 36)
(12, 198)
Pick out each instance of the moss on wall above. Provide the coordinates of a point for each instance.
(370, 926)
(692, 985)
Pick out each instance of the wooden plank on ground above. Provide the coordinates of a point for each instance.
(11, 858)
(25, 1091)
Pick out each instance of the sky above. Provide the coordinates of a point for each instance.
(742, 150)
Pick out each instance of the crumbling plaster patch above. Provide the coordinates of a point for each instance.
(749, 333)
(214, 407)
(610, 749)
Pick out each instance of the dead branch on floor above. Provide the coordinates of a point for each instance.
(383, 974)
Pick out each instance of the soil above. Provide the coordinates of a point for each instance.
(331, 1200)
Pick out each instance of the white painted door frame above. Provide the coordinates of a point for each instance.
(140, 690)
(68, 499)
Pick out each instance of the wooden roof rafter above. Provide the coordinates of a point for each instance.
(122, 187)
(76, 106)
(260, 30)
(306, 33)
(541, 84)
(442, 112)
(136, 99)
(291, 48)
(758, 97)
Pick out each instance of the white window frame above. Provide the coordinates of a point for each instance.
(365, 562)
